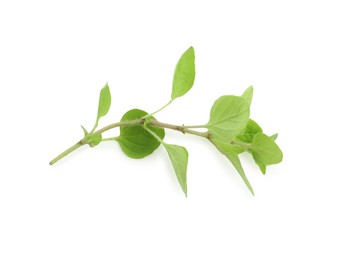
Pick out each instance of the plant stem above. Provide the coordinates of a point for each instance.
(149, 115)
(68, 151)
(140, 122)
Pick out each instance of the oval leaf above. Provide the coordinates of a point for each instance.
(184, 75)
(179, 159)
(135, 141)
(228, 117)
(265, 151)
(104, 102)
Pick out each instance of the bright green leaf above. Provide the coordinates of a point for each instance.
(135, 141)
(179, 159)
(184, 75)
(104, 102)
(250, 131)
(228, 117)
(248, 94)
(235, 160)
(265, 150)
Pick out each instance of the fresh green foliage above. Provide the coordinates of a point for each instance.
(184, 75)
(228, 117)
(179, 159)
(229, 129)
(248, 94)
(265, 150)
(104, 102)
(135, 141)
(250, 131)
(230, 153)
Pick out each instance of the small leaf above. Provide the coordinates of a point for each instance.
(93, 139)
(104, 102)
(265, 150)
(184, 75)
(248, 94)
(235, 160)
(228, 117)
(179, 159)
(274, 136)
(250, 131)
(85, 131)
(135, 141)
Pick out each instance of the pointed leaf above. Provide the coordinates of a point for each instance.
(274, 136)
(135, 141)
(179, 159)
(248, 94)
(235, 160)
(85, 131)
(184, 75)
(228, 117)
(104, 102)
(265, 150)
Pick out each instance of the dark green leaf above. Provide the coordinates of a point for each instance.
(135, 141)
(250, 131)
(228, 117)
(235, 160)
(179, 159)
(265, 151)
(184, 75)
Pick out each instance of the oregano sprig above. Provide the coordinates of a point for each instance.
(229, 128)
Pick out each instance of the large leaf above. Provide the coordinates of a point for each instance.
(250, 131)
(235, 160)
(179, 159)
(184, 75)
(265, 151)
(228, 117)
(135, 141)
(104, 102)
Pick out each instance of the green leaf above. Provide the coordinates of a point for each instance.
(228, 117)
(235, 160)
(265, 150)
(135, 141)
(179, 159)
(262, 167)
(248, 94)
(93, 139)
(85, 131)
(184, 75)
(104, 102)
(250, 131)
(274, 136)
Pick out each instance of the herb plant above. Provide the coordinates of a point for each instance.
(229, 128)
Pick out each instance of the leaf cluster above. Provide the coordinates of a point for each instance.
(229, 128)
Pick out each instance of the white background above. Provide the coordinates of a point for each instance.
(99, 204)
